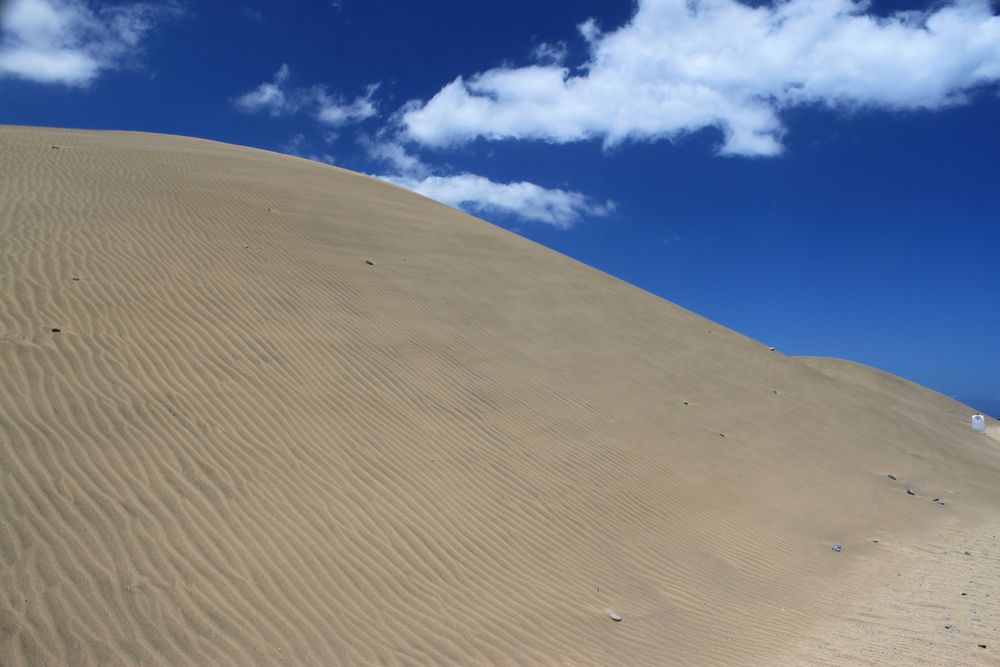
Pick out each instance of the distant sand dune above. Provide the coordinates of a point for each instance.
(247, 445)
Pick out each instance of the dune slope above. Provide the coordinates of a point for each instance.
(293, 414)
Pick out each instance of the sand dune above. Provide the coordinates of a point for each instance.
(296, 415)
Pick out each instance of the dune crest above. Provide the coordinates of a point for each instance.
(258, 410)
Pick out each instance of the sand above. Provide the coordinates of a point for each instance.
(296, 415)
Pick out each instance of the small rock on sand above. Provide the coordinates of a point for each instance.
(892, 477)
(614, 616)
(837, 546)
(911, 492)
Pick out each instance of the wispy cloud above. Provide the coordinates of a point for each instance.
(299, 147)
(335, 111)
(682, 65)
(278, 97)
(523, 200)
(252, 14)
(67, 42)
(270, 96)
(550, 54)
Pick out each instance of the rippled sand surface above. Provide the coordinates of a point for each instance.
(258, 410)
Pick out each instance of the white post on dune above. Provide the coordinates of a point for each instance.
(979, 423)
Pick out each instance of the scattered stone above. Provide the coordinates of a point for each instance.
(771, 348)
(56, 147)
(875, 541)
(981, 645)
(685, 403)
(838, 547)
(935, 500)
(723, 435)
(964, 594)
(910, 492)
(947, 627)
(967, 553)
(369, 262)
(54, 330)
(614, 616)
(892, 477)
(76, 279)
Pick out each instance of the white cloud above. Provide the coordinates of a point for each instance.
(270, 96)
(397, 157)
(559, 208)
(478, 194)
(335, 112)
(66, 42)
(278, 98)
(682, 65)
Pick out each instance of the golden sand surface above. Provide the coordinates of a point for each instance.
(295, 415)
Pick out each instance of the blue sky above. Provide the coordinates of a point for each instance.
(820, 175)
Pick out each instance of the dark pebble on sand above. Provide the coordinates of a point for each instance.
(369, 262)
(892, 477)
(54, 330)
(837, 546)
(981, 645)
(911, 492)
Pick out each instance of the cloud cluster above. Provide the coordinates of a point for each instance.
(279, 98)
(478, 194)
(66, 42)
(682, 65)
